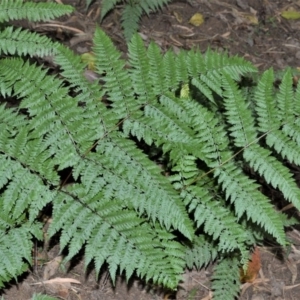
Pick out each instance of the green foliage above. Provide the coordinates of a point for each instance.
(225, 281)
(131, 12)
(158, 152)
(42, 297)
(18, 9)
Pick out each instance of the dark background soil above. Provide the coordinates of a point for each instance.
(253, 29)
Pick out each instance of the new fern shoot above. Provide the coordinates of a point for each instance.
(121, 209)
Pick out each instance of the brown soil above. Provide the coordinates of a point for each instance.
(253, 29)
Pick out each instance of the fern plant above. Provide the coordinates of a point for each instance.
(121, 207)
(131, 12)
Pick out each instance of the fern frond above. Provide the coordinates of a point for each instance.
(265, 101)
(157, 70)
(239, 189)
(32, 11)
(121, 239)
(16, 262)
(243, 193)
(235, 66)
(141, 184)
(238, 115)
(274, 172)
(106, 6)
(23, 42)
(285, 98)
(200, 253)
(152, 5)
(208, 212)
(171, 78)
(117, 81)
(225, 284)
(89, 94)
(284, 145)
(130, 19)
(42, 297)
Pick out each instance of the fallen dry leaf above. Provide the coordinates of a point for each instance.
(253, 268)
(58, 280)
(58, 286)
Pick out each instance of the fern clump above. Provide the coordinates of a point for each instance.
(122, 207)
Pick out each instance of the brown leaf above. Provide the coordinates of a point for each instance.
(253, 267)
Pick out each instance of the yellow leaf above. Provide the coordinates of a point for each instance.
(291, 14)
(252, 19)
(89, 59)
(197, 19)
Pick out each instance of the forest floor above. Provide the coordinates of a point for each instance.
(253, 29)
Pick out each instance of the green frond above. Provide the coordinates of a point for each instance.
(217, 222)
(17, 261)
(285, 99)
(284, 146)
(157, 70)
(209, 212)
(141, 183)
(274, 172)
(238, 115)
(106, 6)
(42, 297)
(117, 84)
(243, 193)
(233, 66)
(139, 71)
(89, 94)
(171, 79)
(292, 130)
(152, 5)
(22, 42)
(265, 103)
(124, 240)
(130, 19)
(132, 12)
(157, 150)
(225, 282)
(32, 11)
(200, 253)
(181, 70)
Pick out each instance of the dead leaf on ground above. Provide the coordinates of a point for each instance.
(58, 286)
(52, 267)
(58, 280)
(252, 269)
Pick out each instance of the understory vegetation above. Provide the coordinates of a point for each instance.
(155, 166)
